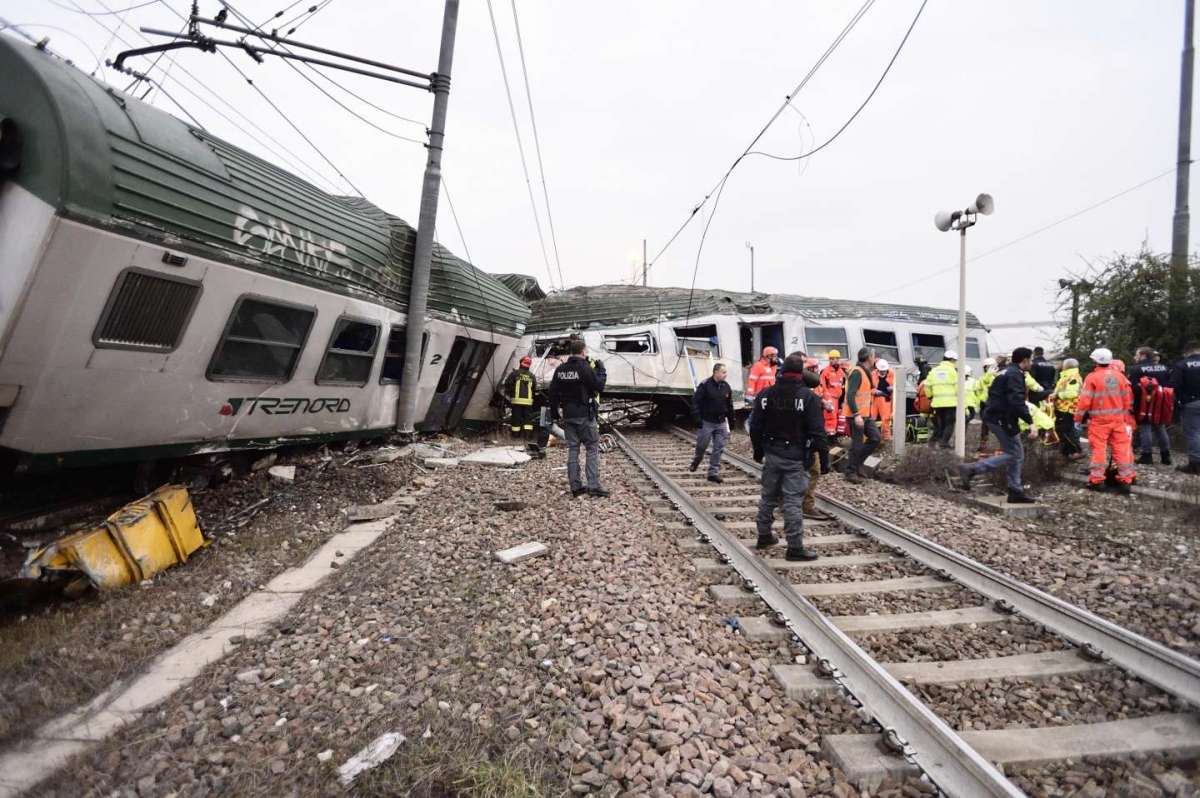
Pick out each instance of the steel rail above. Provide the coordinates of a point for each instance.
(1148, 660)
(928, 741)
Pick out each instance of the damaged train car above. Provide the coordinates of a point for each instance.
(163, 293)
(658, 343)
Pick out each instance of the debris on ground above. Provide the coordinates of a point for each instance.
(265, 462)
(501, 456)
(521, 552)
(286, 473)
(390, 454)
(369, 512)
(139, 540)
(441, 462)
(377, 752)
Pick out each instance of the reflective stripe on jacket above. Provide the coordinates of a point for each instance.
(1106, 396)
(864, 394)
(941, 386)
(833, 383)
(762, 377)
(1067, 391)
(972, 393)
(520, 387)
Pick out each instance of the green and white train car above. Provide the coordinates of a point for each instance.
(165, 294)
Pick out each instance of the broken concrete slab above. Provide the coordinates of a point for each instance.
(499, 456)
(391, 454)
(369, 512)
(998, 504)
(870, 466)
(282, 473)
(523, 552)
(430, 450)
(441, 462)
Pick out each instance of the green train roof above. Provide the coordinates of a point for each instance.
(105, 158)
(584, 307)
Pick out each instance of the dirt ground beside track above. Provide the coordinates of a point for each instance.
(56, 656)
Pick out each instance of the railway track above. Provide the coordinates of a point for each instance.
(856, 549)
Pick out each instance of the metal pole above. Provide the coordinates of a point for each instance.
(899, 409)
(752, 269)
(1180, 221)
(645, 267)
(406, 405)
(1074, 318)
(960, 412)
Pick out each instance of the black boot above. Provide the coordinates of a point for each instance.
(766, 541)
(599, 493)
(1147, 458)
(1190, 468)
(1165, 455)
(964, 476)
(1020, 497)
(715, 478)
(799, 554)
(696, 462)
(1098, 487)
(1123, 489)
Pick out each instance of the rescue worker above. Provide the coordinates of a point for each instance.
(820, 464)
(991, 367)
(1066, 397)
(762, 373)
(971, 389)
(1106, 401)
(941, 386)
(923, 367)
(519, 389)
(813, 366)
(573, 392)
(712, 408)
(1185, 379)
(1145, 376)
(860, 414)
(1006, 408)
(1043, 371)
(833, 386)
(885, 382)
(787, 428)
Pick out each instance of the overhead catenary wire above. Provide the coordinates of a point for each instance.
(19, 27)
(105, 13)
(537, 145)
(858, 15)
(1027, 236)
(520, 146)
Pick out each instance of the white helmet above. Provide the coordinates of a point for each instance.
(1102, 356)
(881, 365)
(950, 354)
(989, 362)
(967, 369)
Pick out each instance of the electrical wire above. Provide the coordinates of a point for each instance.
(520, 147)
(278, 14)
(537, 144)
(786, 102)
(105, 13)
(1028, 235)
(17, 26)
(312, 12)
(860, 108)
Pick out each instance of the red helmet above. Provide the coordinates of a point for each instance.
(526, 362)
(770, 351)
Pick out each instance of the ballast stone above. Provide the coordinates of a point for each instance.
(521, 552)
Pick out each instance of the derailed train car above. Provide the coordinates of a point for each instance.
(657, 343)
(163, 293)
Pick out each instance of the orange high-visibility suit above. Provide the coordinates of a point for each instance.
(762, 377)
(833, 388)
(883, 406)
(1107, 399)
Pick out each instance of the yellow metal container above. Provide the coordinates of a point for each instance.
(136, 542)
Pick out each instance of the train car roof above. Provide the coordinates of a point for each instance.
(613, 305)
(103, 157)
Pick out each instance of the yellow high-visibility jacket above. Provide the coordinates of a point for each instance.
(972, 393)
(941, 386)
(1041, 419)
(1066, 392)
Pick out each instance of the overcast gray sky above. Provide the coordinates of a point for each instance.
(641, 106)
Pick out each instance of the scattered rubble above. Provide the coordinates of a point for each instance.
(284, 473)
(521, 552)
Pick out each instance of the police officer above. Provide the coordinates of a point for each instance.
(573, 392)
(1185, 379)
(787, 428)
(1148, 433)
(519, 389)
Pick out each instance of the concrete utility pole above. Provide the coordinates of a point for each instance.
(645, 267)
(1181, 220)
(750, 247)
(406, 406)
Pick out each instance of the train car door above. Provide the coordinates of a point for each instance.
(754, 337)
(460, 377)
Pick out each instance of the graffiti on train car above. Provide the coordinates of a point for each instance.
(274, 406)
(275, 237)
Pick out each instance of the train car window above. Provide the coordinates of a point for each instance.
(452, 361)
(699, 340)
(930, 347)
(262, 341)
(146, 312)
(393, 355)
(351, 353)
(820, 340)
(633, 344)
(552, 347)
(973, 349)
(884, 344)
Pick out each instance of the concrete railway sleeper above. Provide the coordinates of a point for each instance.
(927, 588)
